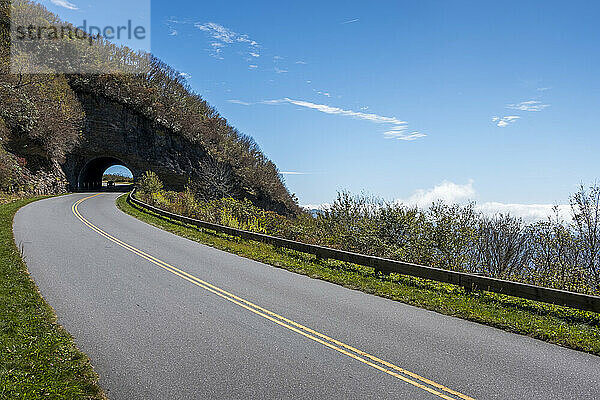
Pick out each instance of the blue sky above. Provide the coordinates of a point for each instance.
(494, 101)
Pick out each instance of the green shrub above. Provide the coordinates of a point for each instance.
(149, 184)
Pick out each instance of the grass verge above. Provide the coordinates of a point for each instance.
(38, 358)
(567, 327)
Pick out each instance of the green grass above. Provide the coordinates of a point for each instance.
(7, 198)
(567, 327)
(38, 359)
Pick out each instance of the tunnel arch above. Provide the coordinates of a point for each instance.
(90, 176)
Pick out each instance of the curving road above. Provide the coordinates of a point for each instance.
(163, 317)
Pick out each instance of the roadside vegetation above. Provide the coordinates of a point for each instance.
(554, 253)
(454, 237)
(38, 358)
(117, 178)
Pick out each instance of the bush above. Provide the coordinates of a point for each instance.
(149, 184)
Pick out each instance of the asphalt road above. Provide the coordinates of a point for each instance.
(155, 332)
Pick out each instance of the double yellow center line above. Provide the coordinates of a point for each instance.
(356, 354)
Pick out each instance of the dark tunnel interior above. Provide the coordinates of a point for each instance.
(90, 177)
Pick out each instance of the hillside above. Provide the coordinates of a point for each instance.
(42, 119)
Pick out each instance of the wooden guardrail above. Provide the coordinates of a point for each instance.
(384, 265)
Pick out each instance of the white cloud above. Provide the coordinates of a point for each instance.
(401, 135)
(240, 102)
(301, 62)
(65, 4)
(531, 105)
(217, 32)
(281, 71)
(246, 39)
(322, 206)
(528, 212)
(452, 193)
(503, 122)
(351, 21)
(172, 24)
(224, 37)
(252, 66)
(396, 131)
(543, 89)
(335, 110)
(448, 192)
(326, 94)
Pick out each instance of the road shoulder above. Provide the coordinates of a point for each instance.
(38, 357)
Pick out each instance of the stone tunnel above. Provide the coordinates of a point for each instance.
(90, 175)
(114, 134)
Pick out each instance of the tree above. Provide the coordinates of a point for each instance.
(555, 254)
(149, 183)
(503, 250)
(453, 230)
(585, 205)
(216, 180)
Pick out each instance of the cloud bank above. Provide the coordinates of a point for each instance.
(451, 193)
(454, 193)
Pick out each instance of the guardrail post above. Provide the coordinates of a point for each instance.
(469, 284)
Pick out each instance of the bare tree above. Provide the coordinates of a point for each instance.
(503, 246)
(453, 231)
(585, 205)
(215, 181)
(555, 254)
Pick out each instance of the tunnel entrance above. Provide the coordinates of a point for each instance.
(117, 178)
(105, 173)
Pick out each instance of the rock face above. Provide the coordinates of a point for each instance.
(51, 181)
(116, 135)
